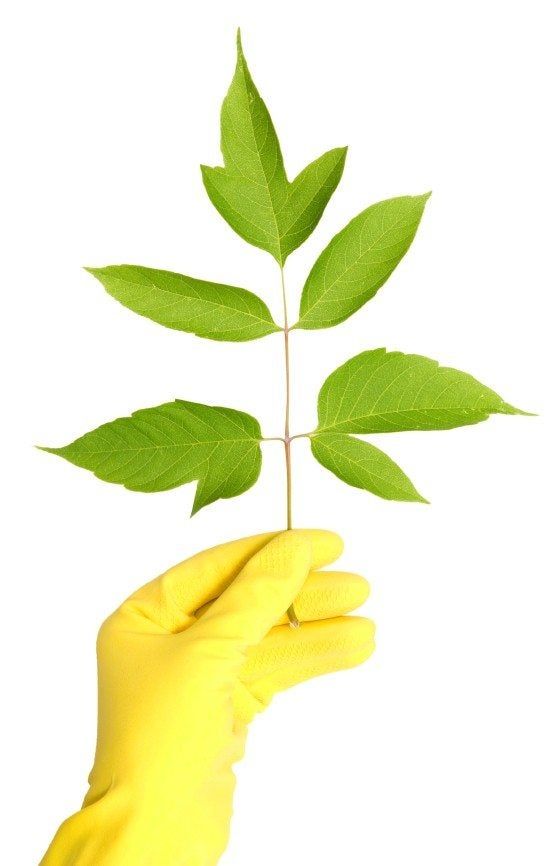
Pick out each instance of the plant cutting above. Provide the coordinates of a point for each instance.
(376, 391)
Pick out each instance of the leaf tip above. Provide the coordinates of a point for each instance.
(197, 505)
(240, 52)
(342, 154)
(415, 496)
(98, 273)
(508, 409)
(47, 449)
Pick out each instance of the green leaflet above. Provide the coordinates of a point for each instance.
(252, 192)
(363, 465)
(169, 445)
(211, 310)
(359, 259)
(381, 392)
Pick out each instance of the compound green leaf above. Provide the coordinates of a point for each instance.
(211, 310)
(359, 259)
(363, 465)
(169, 445)
(381, 392)
(252, 192)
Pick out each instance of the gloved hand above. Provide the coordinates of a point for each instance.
(183, 666)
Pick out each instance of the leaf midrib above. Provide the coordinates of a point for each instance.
(395, 412)
(196, 442)
(215, 304)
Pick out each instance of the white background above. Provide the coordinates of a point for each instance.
(440, 749)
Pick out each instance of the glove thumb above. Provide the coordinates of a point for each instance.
(261, 593)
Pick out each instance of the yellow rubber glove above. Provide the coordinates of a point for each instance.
(183, 666)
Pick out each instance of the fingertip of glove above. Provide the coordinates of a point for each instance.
(326, 546)
(356, 587)
(362, 638)
(354, 634)
(360, 656)
(367, 630)
(359, 629)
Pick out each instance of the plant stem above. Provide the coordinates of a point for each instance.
(287, 439)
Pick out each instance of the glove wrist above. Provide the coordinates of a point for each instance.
(124, 828)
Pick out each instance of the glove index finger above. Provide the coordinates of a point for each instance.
(172, 599)
(266, 587)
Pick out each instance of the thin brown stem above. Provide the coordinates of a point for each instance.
(287, 438)
(289, 483)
